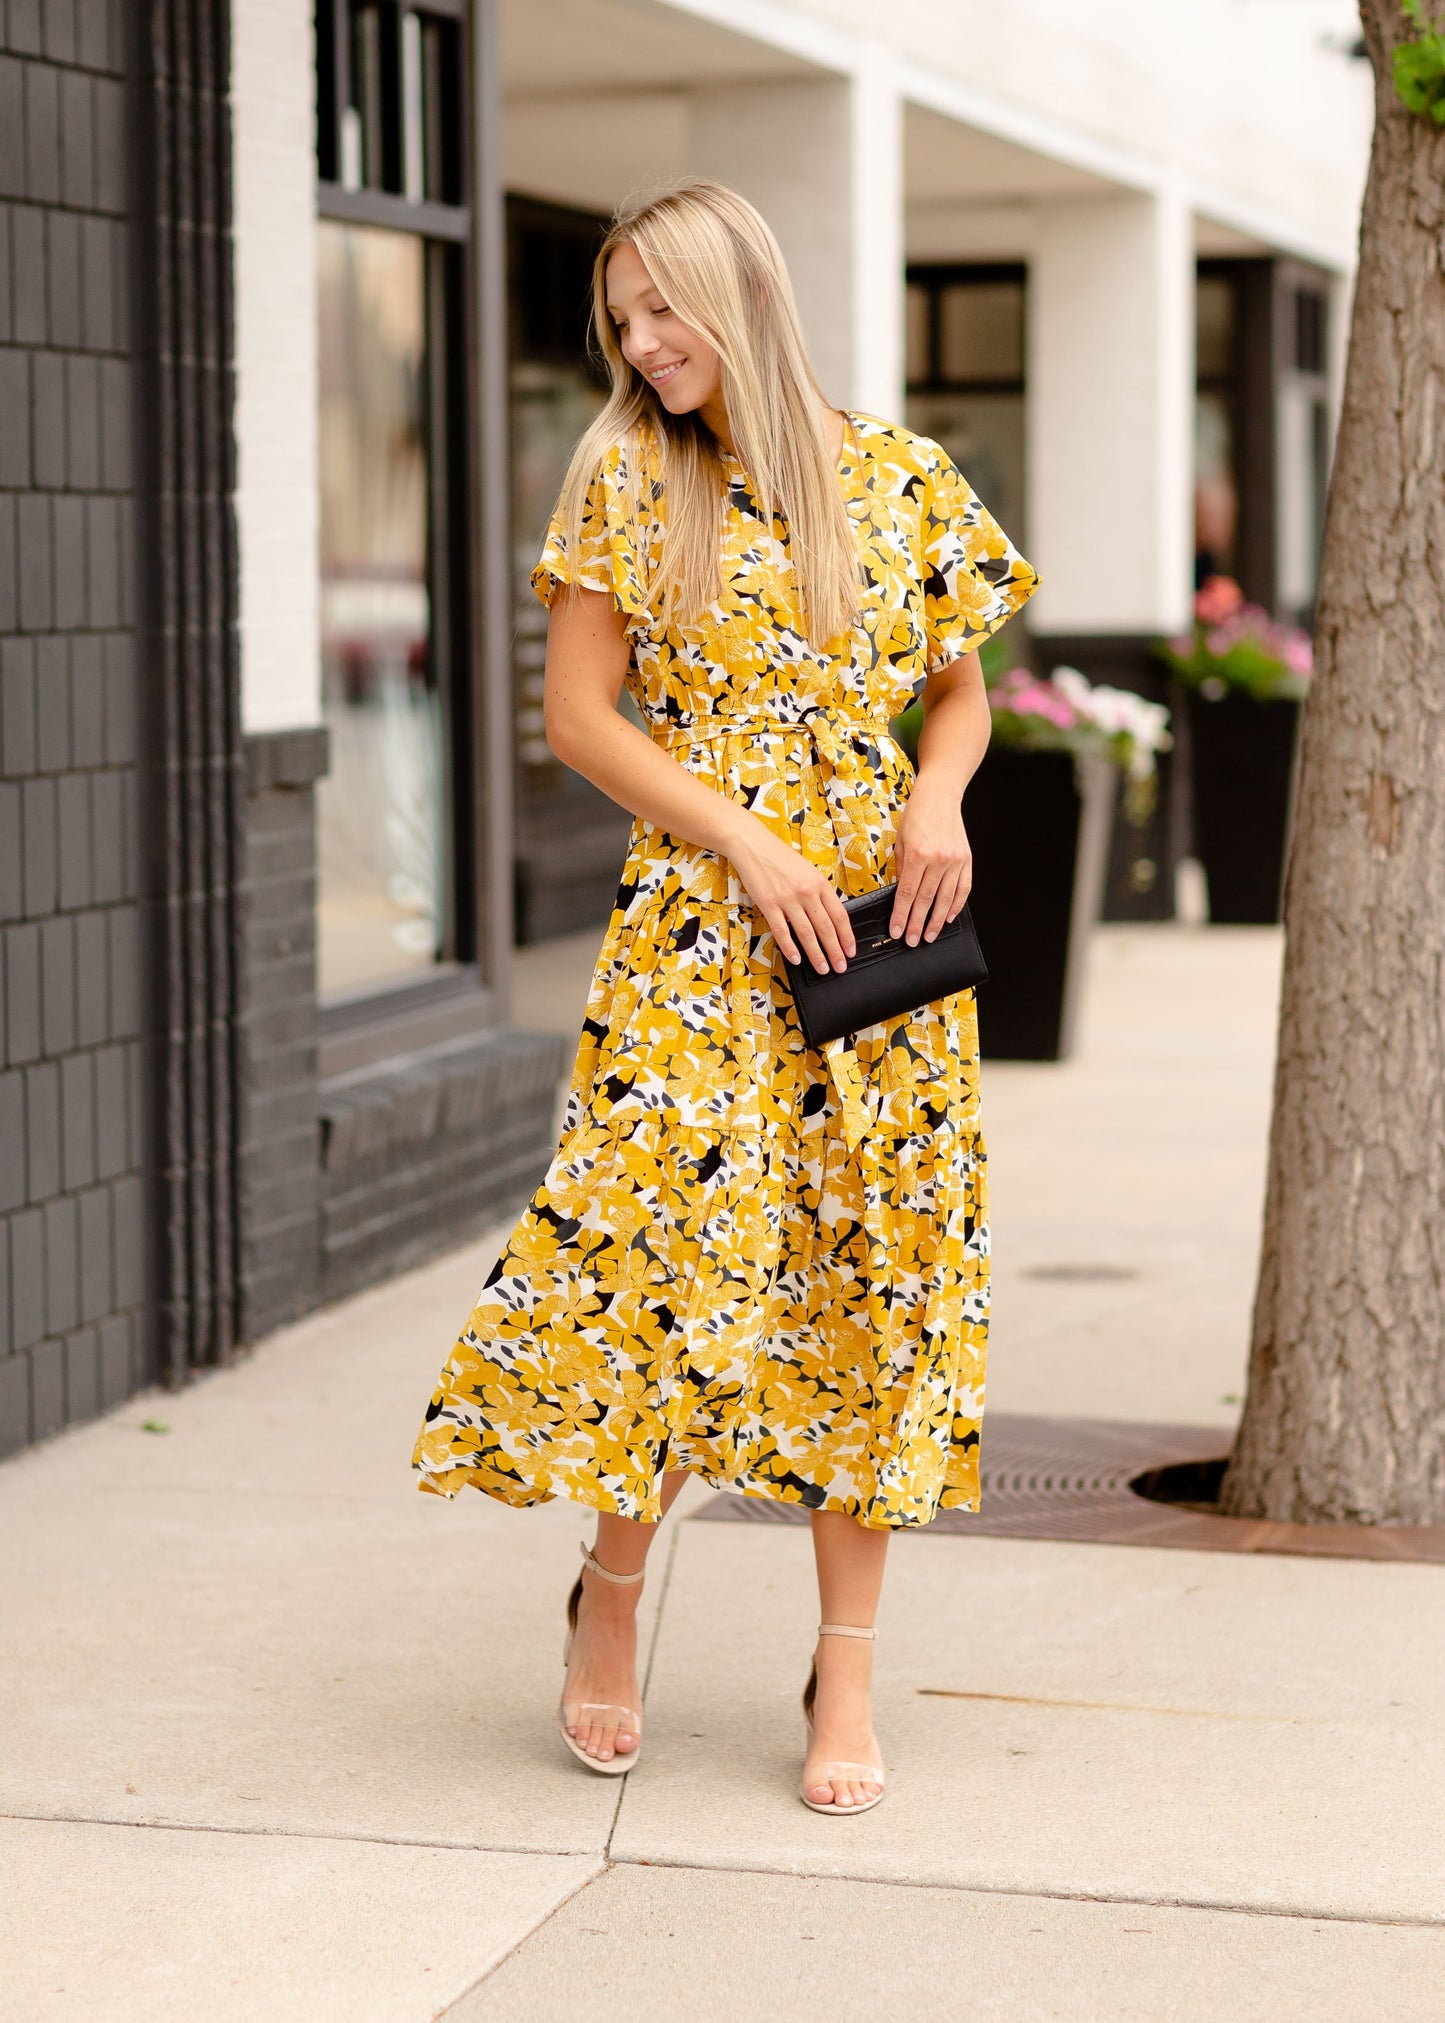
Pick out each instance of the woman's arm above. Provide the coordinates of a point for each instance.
(587, 656)
(931, 855)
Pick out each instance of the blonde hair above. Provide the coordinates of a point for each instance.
(719, 267)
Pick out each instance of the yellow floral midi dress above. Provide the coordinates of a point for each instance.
(749, 1258)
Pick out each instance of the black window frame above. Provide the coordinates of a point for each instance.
(1265, 352)
(935, 277)
(444, 223)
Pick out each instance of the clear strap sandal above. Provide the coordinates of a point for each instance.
(592, 1714)
(833, 1773)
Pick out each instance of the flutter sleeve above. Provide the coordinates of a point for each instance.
(606, 558)
(974, 577)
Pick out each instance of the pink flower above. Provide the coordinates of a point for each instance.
(1038, 698)
(1219, 597)
(1298, 654)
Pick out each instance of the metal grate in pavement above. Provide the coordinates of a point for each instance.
(1073, 1479)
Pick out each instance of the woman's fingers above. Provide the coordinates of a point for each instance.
(962, 888)
(916, 892)
(804, 938)
(949, 901)
(831, 927)
(806, 914)
(929, 896)
(810, 923)
(778, 921)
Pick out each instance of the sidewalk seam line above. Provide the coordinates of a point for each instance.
(440, 2015)
(695, 1867)
(983, 1889)
(611, 1861)
(306, 1833)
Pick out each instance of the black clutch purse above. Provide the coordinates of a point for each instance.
(885, 978)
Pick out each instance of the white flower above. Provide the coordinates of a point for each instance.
(1118, 713)
(1074, 686)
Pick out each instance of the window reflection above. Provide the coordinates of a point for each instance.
(966, 377)
(1216, 458)
(380, 809)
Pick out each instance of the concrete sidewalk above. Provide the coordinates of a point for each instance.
(277, 1739)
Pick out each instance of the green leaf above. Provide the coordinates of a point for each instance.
(1419, 65)
(154, 1426)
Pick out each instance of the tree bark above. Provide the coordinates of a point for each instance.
(1345, 1415)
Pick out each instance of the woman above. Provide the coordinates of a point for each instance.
(750, 1261)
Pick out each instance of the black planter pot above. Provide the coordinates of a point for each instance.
(1040, 855)
(1242, 757)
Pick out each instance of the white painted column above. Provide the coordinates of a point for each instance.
(274, 163)
(1110, 414)
(823, 162)
(876, 106)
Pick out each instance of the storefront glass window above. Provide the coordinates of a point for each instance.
(966, 377)
(381, 808)
(1304, 451)
(1216, 480)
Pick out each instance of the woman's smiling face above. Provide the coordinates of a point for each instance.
(677, 362)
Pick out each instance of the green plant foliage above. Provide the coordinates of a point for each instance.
(1237, 648)
(1420, 65)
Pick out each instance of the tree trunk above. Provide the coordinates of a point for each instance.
(1345, 1417)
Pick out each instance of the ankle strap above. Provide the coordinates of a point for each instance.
(617, 1579)
(843, 1630)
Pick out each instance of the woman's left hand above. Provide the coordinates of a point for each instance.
(932, 861)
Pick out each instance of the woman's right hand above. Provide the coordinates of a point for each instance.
(801, 906)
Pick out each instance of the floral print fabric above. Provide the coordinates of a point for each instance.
(747, 1258)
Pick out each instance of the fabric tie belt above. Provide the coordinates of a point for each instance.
(846, 780)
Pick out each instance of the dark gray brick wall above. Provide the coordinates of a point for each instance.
(280, 1151)
(347, 1181)
(418, 1156)
(72, 1220)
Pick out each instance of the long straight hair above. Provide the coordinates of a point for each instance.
(715, 262)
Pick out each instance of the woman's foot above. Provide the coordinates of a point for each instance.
(602, 1669)
(842, 1724)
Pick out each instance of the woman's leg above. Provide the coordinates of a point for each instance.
(602, 1670)
(850, 1559)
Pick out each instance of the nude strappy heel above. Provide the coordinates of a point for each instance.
(591, 1713)
(831, 1773)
